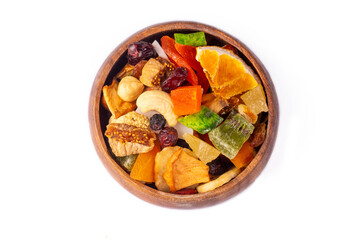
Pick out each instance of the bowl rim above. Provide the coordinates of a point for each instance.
(225, 192)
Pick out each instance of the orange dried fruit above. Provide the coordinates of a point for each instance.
(143, 169)
(228, 74)
(188, 170)
(168, 175)
(114, 103)
(161, 160)
(186, 100)
(244, 156)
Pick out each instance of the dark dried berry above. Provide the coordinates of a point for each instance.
(168, 137)
(138, 51)
(175, 79)
(182, 143)
(219, 165)
(157, 122)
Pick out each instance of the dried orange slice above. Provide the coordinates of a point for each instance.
(228, 74)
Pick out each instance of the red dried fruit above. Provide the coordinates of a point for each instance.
(168, 137)
(138, 51)
(175, 79)
(186, 191)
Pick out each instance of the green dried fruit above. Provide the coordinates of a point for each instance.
(193, 39)
(229, 137)
(127, 162)
(203, 121)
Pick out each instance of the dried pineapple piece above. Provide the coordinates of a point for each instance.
(116, 105)
(255, 99)
(221, 180)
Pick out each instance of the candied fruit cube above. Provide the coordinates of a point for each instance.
(229, 137)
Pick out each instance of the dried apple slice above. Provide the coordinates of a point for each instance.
(224, 178)
(116, 105)
(161, 160)
(168, 175)
(188, 171)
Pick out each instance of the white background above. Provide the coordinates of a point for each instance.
(53, 185)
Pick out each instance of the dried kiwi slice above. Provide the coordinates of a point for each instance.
(229, 137)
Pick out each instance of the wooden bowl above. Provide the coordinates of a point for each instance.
(98, 118)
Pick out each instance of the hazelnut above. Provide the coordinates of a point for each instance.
(130, 88)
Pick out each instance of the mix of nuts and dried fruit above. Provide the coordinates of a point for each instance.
(185, 117)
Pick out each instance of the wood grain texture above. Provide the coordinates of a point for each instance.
(97, 121)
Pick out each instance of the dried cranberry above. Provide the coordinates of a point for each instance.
(168, 137)
(219, 165)
(175, 79)
(182, 143)
(157, 122)
(138, 51)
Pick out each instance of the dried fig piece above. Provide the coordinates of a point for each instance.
(152, 73)
(125, 139)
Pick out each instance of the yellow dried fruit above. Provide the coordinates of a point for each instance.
(255, 99)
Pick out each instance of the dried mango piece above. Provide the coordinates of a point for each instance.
(188, 171)
(244, 156)
(116, 105)
(143, 169)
